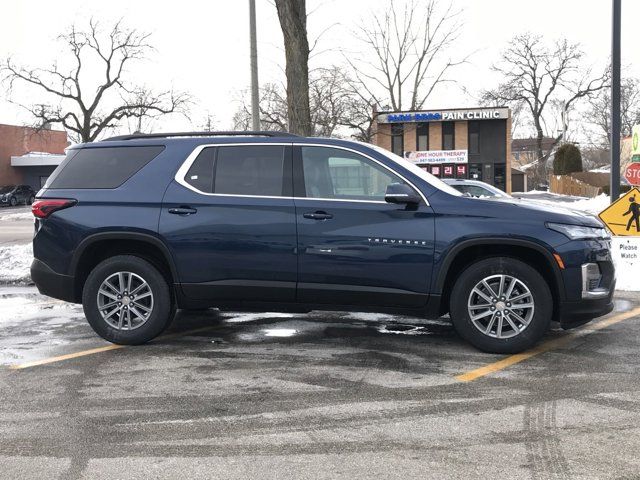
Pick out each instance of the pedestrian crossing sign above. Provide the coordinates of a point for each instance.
(622, 217)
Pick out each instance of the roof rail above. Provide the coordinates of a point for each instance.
(257, 133)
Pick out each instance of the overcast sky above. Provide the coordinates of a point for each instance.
(202, 46)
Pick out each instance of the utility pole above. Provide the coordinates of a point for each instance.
(255, 96)
(615, 100)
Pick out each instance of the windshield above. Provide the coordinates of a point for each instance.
(426, 176)
(7, 188)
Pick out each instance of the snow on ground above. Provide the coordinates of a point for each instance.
(12, 217)
(15, 261)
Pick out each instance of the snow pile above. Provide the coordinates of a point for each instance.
(588, 205)
(12, 217)
(15, 261)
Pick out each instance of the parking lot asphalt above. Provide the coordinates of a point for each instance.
(322, 395)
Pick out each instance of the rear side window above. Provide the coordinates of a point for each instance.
(250, 170)
(200, 174)
(105, 167)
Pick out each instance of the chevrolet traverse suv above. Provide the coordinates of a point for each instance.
(137, 226)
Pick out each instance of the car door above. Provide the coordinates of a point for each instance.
(19, 193)
(229, 220)
(355, 248)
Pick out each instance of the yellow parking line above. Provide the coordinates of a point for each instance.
(545, 347)
(93, 351)
(65, 357)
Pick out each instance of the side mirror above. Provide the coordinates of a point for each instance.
(401, 193)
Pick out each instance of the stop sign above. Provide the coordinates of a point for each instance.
(632, 174)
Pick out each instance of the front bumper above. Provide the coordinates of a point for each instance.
(52, 284)
(574, 314)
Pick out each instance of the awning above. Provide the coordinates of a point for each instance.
(37, 160)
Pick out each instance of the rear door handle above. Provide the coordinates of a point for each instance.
(183, 211)
(317, 215)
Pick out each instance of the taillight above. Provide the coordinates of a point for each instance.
(45, 207)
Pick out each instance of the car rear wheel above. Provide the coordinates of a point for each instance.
(31, 200)
(127, 300)
(501, 305)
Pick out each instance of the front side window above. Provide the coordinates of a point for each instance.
(339, 174)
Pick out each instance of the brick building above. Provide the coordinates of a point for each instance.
(457, 143)
(28, 156)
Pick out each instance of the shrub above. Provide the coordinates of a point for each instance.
(567, 159)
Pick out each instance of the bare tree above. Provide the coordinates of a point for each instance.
(538, 79)
(293, 21)
(332, 101)
(87, 111)
(600, 109)
(405, 57)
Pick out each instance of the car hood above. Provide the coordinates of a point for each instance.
(551, 213)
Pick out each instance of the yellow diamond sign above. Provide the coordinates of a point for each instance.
(623, 216)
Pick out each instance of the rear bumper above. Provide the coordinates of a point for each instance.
(52, 284)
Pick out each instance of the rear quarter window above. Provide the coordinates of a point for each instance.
(103, 167)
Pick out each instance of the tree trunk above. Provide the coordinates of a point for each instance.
(293, 20)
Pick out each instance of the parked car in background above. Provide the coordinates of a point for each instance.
(15, 194)
(136, 226)
(475, 188)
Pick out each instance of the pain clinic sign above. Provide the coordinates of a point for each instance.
(437, 156)
(444, 115)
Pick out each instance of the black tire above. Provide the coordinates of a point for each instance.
(538, 288)
(13, 202)
(31, 200)
(160, 316)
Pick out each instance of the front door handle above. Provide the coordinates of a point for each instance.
(183, 211)
(317, 215)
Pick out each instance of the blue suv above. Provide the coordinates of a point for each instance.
(137, 226)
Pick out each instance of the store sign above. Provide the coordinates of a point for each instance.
(438, 156)
(445, 115)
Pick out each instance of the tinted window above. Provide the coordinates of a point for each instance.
(107, 167)
(200, 175)
(340, 174)
(422, 137)
(448, 135)
(397, 139)
(250, 170)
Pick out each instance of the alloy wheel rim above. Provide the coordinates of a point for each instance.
(500, 306)
(125, 301)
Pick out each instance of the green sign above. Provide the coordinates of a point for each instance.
(635, 140)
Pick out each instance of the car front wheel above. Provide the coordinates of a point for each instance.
(501, 305)
(13, 202)
(127, 300)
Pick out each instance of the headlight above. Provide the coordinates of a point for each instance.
(576, 232)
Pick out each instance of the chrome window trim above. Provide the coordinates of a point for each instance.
(186, 165)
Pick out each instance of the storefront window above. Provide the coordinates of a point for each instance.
(397, 139)
(448, 135)
(422, 137)
(474, 138)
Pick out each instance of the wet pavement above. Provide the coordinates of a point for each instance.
(319, 395)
